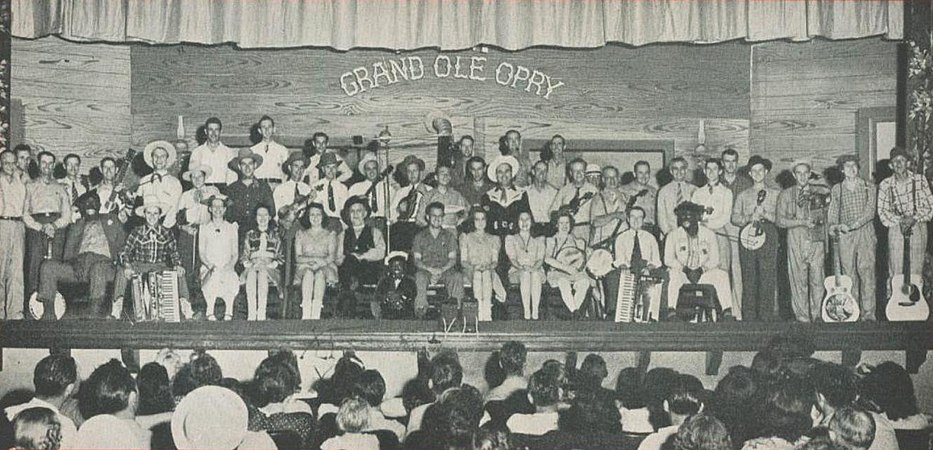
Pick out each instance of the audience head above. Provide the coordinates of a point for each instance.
(835, 386)
(702, 432)
(785, 412)
(353, 415)
(110, 389)
(889, 387)
(36, 428)
(370, 386)
(630, 388)
(685, 397)
(276, 379)
(512, 358)
(543, 389)
(456, 416)
(204, 369)
(734, 400)
(446, 372)
(593, 370)
(852, 428)
(590, 412)
(55, 376)
(155, 390)
(491, 438)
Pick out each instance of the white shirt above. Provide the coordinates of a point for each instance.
(533, 424)
(312, 173)
(667, 201)
(273, 156)
(541, 202)
(320, 192)
(196, 212)
(103, 193)
(217, 159)
(656, 440)
(167, 191)
(625, 244)
(360, 188)
(75, 189)
(719, 198)
(284, 194)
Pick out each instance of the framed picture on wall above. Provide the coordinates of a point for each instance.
(622, 153)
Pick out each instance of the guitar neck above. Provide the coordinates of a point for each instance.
(907, 256)
(837, 261)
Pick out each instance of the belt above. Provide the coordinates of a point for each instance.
(270, 180)
(12, 219)
(46, 215)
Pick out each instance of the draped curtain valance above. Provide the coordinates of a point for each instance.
(453, 24)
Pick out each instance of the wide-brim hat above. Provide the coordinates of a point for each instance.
(328, 159)
(802, 162)
(396, 254)
(366, 159)
(411, 159)
(210, 417)
(755, 159)
(244, 153)
(295, 156)
(500, 160)
(840, 161)
(899, 151)
(166, 145)
(206, 170)
(355, 200)
(150, 202)
(593, 168)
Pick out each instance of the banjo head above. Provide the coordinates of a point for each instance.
(37, 308)
(572, 257)
(599, 263)
(751, 237)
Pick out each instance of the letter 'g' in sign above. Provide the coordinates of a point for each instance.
(387, 72)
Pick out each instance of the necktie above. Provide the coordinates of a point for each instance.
(297, 193)
(502, 197)
(801, 197)
(331, 204)
(74, 192)
(680, 194)
(711, 189)
(637, 259)
(372, 200)
(576, 196)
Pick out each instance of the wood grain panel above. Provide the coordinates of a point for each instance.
(76, 97)
(804, 97)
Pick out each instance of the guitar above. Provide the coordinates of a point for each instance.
(752, 236)
(124, 166)
(839, 305)
(906, 302)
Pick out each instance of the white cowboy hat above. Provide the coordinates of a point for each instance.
(367, 158)
(210, 417)
(150, 202)
(396, 254)
(593, 168)
(500, 160)
(165, 145)
(206, 170)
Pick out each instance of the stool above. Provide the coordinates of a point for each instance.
(698, 303)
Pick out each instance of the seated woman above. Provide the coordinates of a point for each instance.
(219, 254)
(561, 254)
(526, 253)
(276, 381)
(315, 258)
(479, 255)
(889, 388)
(362, 250)
(261, 257)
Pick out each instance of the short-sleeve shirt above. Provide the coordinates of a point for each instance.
(434, 251)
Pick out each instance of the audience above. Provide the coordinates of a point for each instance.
(37, 428)
(851, 428)
(56, 382)
(276, 379)
(631, 401)
(512, 360)
(544, 392)
(888, 388)
(837, 387)
(108, 400)
(683, 401)
(702, 432)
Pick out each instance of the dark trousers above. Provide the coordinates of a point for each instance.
(98, 270)
(402, 235)
(190, 260)
(37, 251)
(759, 277)
(352, 274)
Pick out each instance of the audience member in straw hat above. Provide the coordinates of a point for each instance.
(247, 193)
(272, 153)
(212, 417)
(108, 400)
(292, 190)
(219, 252)
(371, 168)
(329, 191)
(150, 247)
(160, 184)
(215, 155)
(263, 252)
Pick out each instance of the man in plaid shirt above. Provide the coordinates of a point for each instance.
(905, 204)
(150, 248)
(850, 216)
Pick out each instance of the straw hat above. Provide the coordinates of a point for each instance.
(165, 145)
(206, 170)
(150, 202)
(366, 159)
(210, 417)
(244, 153)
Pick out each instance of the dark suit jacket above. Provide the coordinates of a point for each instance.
(113, 229)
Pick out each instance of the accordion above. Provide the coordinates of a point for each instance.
(155, 297)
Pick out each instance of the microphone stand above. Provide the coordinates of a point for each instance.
(388, 202)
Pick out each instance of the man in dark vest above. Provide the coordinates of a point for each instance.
(360, 261)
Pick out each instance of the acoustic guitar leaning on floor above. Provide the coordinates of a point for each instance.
(906, 302)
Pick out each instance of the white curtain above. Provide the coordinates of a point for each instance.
(453, 24)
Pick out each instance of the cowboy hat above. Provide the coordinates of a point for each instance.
(165, 145)
(244, 153)
(369, 157)
(593, 168)
(755, 159)
(899, 151)
(396, 254)
(150, 202)
(210, 417)
(356, 199)
(295, 156)
(409, 160)
(328, 159)
(500, 160)
(840, 161)
(206, 170)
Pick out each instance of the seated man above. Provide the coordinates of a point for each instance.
(545, 392)
(435, 257)
(91, 249)
(636, 251)
(692, 254)
(150, 247)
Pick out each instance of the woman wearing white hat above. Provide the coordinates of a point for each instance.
(219, 253)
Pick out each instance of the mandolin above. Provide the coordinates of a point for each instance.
(839, 305)
(906, 302)
(752, 236)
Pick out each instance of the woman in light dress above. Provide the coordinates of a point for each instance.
(564, 255)
(479, 255)
(219, 254)
(526, 253)
(315, 257)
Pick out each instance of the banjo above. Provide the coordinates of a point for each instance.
(752, 236)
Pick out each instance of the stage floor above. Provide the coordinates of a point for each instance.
(408, 335)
